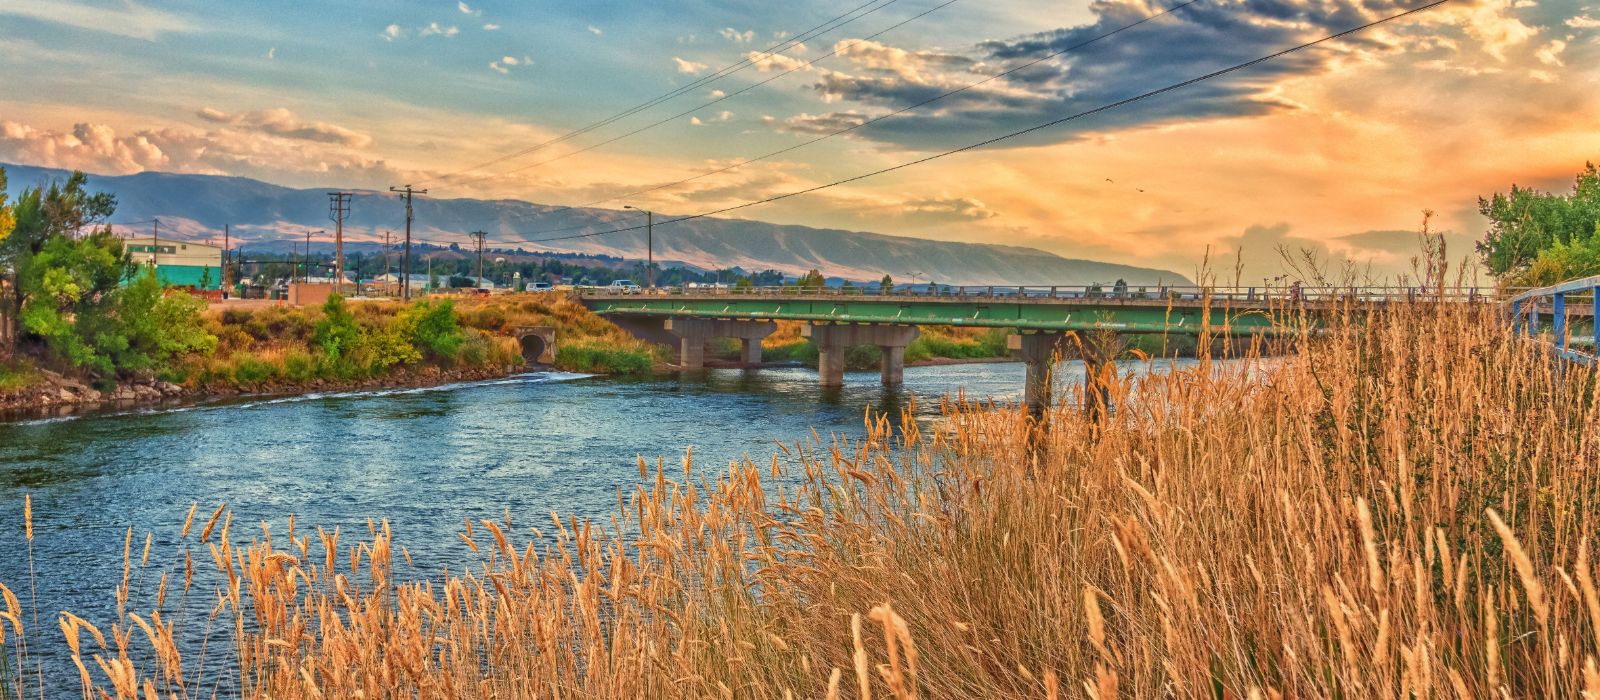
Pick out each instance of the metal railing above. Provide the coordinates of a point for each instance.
(1525, 310)
(1097, 293)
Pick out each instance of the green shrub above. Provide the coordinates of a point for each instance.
(475, 351)
(602, 359)
(249, 369)
(339, 337)
(387, 346)
(801, 351)
(299, 365)
(433, 328)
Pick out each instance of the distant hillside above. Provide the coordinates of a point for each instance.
(197, 206)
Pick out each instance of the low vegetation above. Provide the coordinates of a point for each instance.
(1402, 506)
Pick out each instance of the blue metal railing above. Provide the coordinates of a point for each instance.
(1526, 307)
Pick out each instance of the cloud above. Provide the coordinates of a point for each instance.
(99, 148)
(392, 32)
(490, 27)
(1583, 22)
(466, 10)
(504, 65)
(434, 29)
(689, 67)
(737, 36)
(126, 18)
(1550, 54)
(1193, 41)
(722, 116)
(272, 53)
(716, 94)
(961, 208)
(283, 123)
(595, 30)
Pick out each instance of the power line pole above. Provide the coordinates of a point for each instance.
(155, 243)
(306, 276)
(386, 261)
(338, 206)
(479, 235)
(405, 265)
(226, 258)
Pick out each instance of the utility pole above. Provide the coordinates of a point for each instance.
(226, 258)
(338, 206)
(405, 265)
(649, 243)
(306, 276)
(155, 243)
(386, 261)
(479, 235)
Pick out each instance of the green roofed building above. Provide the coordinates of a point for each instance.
(180, 263)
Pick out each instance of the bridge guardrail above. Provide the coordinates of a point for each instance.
(1525, 307)
(1276, 294)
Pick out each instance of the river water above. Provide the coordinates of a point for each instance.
(425, 459)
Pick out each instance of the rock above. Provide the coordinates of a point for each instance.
(146, 393)
(169, 389)
(66, 395)
(124, 393)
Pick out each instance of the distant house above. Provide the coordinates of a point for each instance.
(180, 263)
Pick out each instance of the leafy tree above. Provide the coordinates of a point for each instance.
(66, 210)
(812, 279)
(66, 288)
(1526, 224)
(887, 283)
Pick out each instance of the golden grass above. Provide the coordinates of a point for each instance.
(1400, 507)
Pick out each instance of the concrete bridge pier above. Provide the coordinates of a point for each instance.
(1040, 352)
(694, 333)
(833, 340)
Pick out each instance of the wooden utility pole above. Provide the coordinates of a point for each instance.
(155, 243)
(386, 261)
(338, 206)
(226, 255)
(479, 236)
(405, 264)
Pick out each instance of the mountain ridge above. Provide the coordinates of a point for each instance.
(194, 207)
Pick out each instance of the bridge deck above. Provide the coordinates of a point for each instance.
(1149, 310)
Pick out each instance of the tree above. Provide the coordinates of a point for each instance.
(811, 280)
(1532, 235)
(887, 283)
(64, 210)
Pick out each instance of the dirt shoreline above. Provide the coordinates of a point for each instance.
(57, 395)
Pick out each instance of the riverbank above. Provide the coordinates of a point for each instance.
(52, 394)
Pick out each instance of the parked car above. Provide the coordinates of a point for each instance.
(539, 287)
(624, 287)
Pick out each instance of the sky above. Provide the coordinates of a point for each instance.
(1336, 150)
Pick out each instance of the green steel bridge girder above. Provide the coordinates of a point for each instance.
(1030, 315)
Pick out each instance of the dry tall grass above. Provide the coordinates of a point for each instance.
(1402, 506)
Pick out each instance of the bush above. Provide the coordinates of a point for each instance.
(602, 359)
(338, 336)
(433, 328)
(249, 369)
(299, 365)
(475, 351)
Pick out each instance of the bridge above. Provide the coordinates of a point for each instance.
(1567, 319)
(1048, 322)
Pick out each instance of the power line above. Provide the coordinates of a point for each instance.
(725, 71)
(1054, 122)
(868, 122)
(728, 96)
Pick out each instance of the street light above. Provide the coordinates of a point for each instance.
(649, 243)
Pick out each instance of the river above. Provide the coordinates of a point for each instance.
(425, 459)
